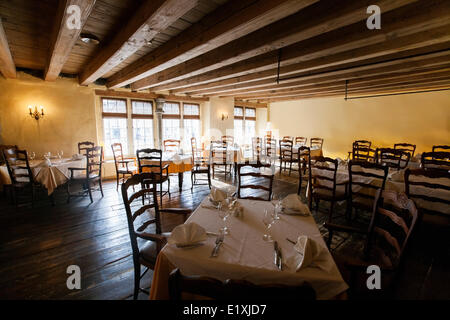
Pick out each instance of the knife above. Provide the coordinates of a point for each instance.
(219, 242)
(280, 259)
(275, 257)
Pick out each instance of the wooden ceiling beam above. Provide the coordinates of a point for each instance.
(151, 18)
(147, 96)
(328, 15)
(234, 19)
(7, 66)
(424, 28)
(63, 37)
(242, 103)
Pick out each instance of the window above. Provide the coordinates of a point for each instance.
(238, 125)
(114, 112)
(171, 121)
(142, 114)
(250, 124)
(192, 126)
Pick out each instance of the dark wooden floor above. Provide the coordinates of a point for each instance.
(37, 246)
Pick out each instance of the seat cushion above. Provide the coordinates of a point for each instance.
(148, 253)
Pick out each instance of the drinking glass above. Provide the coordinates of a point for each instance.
(223, 214)
(60, 155)
(32, 155)
(276, 202)
(268, 221)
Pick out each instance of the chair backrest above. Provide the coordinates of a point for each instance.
(361, 150)
(118, 154)
(270, 147)
(256, 148)
(364, 179)
(262, 180)
(393, 220)
(140, 216)
(172, 145)
(440, 148)
(3, 147)
(316, 143)
(291, 138)
(438, 160)
(323, 174)
(301, 140)
(94, 160)
(430, 190)
(151, 159)
(304, 160)
(286, 148)
(410, 148)
(393, 158)
(235, 289)
(229, 140)
(219, 152)
(17, 164)
(83, 146)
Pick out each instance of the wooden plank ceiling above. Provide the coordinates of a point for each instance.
(257, 51)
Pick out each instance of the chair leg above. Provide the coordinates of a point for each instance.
(68, 191)
(192, 181)
(290, 168)
(137, 278)
(117, 180)
(330, 238)
(160, 194)
(209, 180)
(331, 211)
(101, 186)
(88, 185)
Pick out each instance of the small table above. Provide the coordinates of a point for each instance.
(245, 255)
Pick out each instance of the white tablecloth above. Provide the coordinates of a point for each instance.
(49, 176)
(245, 255)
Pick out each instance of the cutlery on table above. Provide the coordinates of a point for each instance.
(277, 255)
(291, 241)
(219, 242)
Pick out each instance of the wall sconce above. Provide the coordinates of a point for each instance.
(36, 114)
(224, 116)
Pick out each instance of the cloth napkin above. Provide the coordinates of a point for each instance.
(187, 234)
(217, 195)
(292, 204)
(308, 253)
(77, 156)
(46, 163)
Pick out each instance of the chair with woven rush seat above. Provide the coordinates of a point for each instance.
(83, 146)
(270, 149)
(410, 148)
(150, 160)
(228, 140)
(364, 179)
(437, 160)
(201, 165)
(304, 161)
(208, 287)
(172, 145)
(253, 170)
(444, 148)
(393, 220)
(287, 155)
(361, 151)
(219, 157)
(316, 143)
(20, 173)
(323, 183)
(6, 187)
(393, 158)
(121, 163)
(146, 252)
(301, 141)
(92, 173)
(257, 148)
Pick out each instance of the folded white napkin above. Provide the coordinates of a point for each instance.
(308, 253)
(292, 204)
(45, 163)
(217, 195)
(77, 156)
(187, 234)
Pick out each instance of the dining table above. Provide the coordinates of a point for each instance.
(245, 255)
(177, 164)
(235, 154)
(51, 174)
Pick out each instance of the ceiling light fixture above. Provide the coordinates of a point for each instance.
(89, 38)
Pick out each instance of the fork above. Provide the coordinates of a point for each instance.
(219, 241)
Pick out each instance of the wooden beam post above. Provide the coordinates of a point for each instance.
(7, 66)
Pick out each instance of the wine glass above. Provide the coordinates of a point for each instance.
(268, 221)
(223, 214)
(32, 155)
(60, 155)
(276, 202)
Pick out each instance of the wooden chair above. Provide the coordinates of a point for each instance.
(92, 172)
(291, 138)
(410, 148)
(393, 158)
(361, 151)
(5, 147)
(83, 146)
(219, 157)
(171, 145)
(151, 241)
(228, 140)
(287, 155)
(393, 220)
(150, 160)
(20, 173)
(253, 170)
(257, 148)
(316, 143)
(323, 183)
(429, 191)
(121, 163)
(441, 148)
(201, 165)
(208, 287)
(304, 162)
(438, 160)
(301, 141)
(270, 150)
(364, 179)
